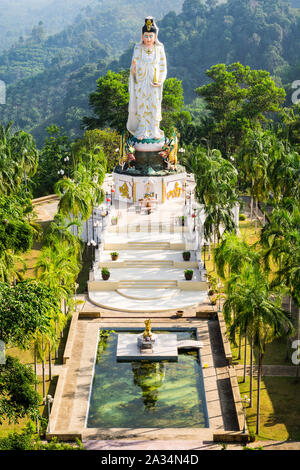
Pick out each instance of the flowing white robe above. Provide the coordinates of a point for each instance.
(145, 100)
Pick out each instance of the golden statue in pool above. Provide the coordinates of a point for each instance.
(147, 332)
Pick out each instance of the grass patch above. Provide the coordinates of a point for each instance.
(276, 353)
(279, 410)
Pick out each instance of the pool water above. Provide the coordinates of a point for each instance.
(144, 394)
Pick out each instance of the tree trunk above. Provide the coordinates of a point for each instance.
(35, 364)
(50, 363)
(251, 202)
(43, 373)
(288, 341)
(256, 215)
(251, 375)
(44, 382)
(56, 349)
(298, 338)
(245, 359)
(240, 346)
(260, 359)
(87, 230)
(214, 265)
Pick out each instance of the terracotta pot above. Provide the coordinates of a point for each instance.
(105, 277)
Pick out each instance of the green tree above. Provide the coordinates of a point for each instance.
(108, 139)
(110, 102)
(18, 399)
(55, 157)
(257, 314)
(18, 159)
(26, 308)
(239, 98)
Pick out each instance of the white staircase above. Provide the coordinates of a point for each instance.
(149, 273)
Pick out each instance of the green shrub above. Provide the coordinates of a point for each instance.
(27, 439)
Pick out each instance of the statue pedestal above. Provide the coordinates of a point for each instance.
(164, 348)
(146, 344)
(161, 189)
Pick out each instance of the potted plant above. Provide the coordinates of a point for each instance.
(188, 274)
(114, 255)
(182, 219)
(186, 255)
(105, 274)
(114, 220)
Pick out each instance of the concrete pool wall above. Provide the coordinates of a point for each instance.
(68, 415)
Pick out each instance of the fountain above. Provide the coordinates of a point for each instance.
(147, 346)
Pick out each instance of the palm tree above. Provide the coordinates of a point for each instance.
(232, 254)
(281, 242)
(253, 158)
(258, 313)
(59, 232)
(215, 177)
(73, 199)
(284, 173)
(18, 158)
(10, 269)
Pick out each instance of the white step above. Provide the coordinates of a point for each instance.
(147, 284)
(148, 294)
(148, 263)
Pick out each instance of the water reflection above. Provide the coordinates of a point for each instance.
(149, 376)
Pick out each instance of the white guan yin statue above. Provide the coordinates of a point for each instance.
(147, 74)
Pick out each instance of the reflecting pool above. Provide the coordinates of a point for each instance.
(144, 394)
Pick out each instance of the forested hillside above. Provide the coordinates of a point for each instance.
(111, 24)
(18, 17)
(264, 34)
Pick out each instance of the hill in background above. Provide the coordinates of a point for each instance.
(264, 34)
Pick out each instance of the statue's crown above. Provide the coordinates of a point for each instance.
(149, 25)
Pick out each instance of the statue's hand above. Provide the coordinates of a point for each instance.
(133, 67)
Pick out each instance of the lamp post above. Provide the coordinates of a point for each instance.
(49, 401)
(66, 160)
(204, 251)
(245, 401)
(111, 195)
(93, 244)
(194, 216)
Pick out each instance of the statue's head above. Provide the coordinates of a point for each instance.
(149, 32)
